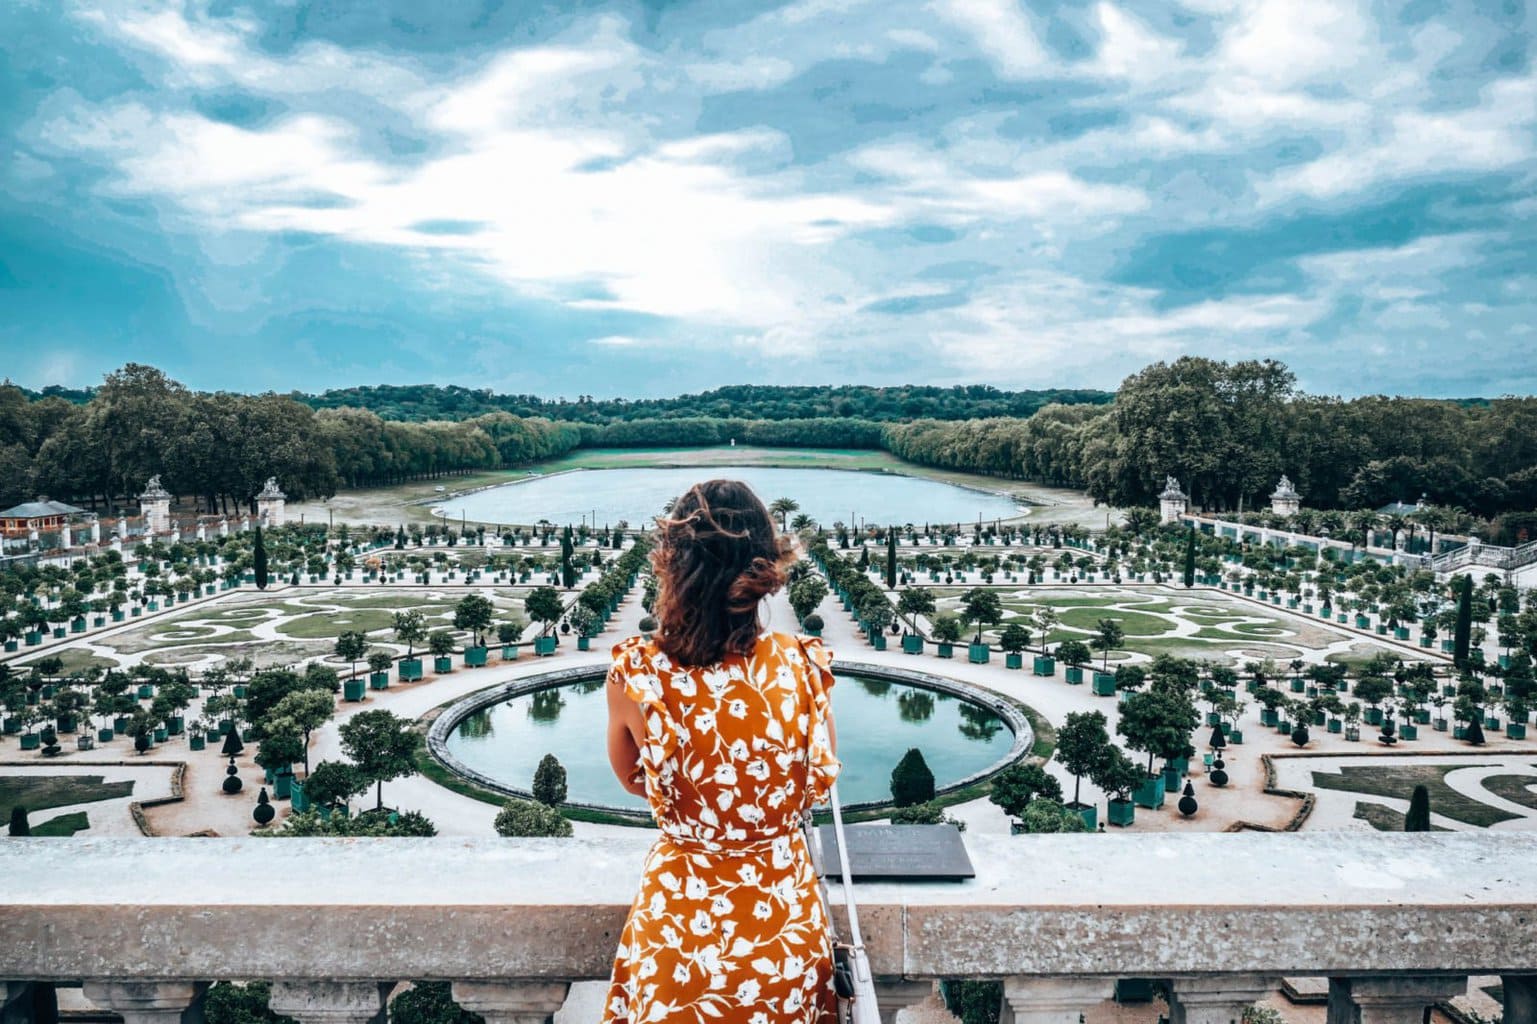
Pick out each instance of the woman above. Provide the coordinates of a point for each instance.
(727, 731)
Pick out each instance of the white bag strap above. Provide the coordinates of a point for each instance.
(845, 870)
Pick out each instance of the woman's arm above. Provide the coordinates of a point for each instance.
(625, 726)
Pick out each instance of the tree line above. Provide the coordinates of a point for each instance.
(1226, 431)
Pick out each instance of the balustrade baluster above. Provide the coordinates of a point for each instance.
(891, 997)
(512, 1002)
(1033, 1000)
(150, 1002)
(1520, 998)
(1217, 1000)
(330, 1002)
(1389, 1000)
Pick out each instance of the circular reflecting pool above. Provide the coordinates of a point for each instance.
(635, 495)
(877, 721)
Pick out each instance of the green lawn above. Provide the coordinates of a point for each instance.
(64, 826)
(1398, 781)
(40, 792)
(1385, 819)
(329, 625)
(1515, 788)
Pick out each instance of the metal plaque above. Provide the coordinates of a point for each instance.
(896, 852)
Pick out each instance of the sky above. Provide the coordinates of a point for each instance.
(647, 199)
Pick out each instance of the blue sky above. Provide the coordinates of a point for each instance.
(646, 199)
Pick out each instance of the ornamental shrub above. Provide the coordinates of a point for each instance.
(911, 780)
(526, 818)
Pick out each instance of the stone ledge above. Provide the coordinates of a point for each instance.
(1331, 903)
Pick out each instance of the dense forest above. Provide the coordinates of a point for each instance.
(739, 402)
(1227, 431)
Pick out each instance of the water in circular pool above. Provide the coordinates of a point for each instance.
(635, 495)
(877, 722)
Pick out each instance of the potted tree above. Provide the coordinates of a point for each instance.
(1117, 775)
(586, 624)
(410, 629)
(1045, 620)
(507, 633)
(1076, 653)
(1082, 746)
(1158, 721)
(947, 630)
(913, 602)
(1014, 639)
(441, 643)
(543, 605)
(1110, 635)
(473, 613)
(351, 645)
(981, 606)
(1353, 721)
(811, 625)
(379, 662)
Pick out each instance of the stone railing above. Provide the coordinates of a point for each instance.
(1394, 922)
(1490, 555)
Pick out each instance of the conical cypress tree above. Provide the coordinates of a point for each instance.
(567, 572)
(891, 558)
(259, 560)
(911, 781)
(1418, 818)
(1190, 559)
(19, 826)
(1464, 631)
(232, 744)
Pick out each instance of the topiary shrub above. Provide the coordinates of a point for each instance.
(1418, 818)
(911, 780)
(526, 818)
(19, 825)
(931, 813)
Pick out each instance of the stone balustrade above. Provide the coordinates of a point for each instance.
(1394, 922)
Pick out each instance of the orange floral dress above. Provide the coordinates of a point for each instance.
(728, 925)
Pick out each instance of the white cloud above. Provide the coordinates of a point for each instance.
(613, 341)
(1003, 34)
(1128, 49)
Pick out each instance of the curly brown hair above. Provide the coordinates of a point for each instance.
(717, 556)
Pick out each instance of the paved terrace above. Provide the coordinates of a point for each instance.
(1394, 922)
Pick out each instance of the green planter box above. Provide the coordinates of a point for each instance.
(1362, 622)
(1336, 726)
(1425, 641)
(912, 643)
(196, 742)
(1422, 716)
(475, 657)
(584, 643)
(509, 652)
(283, 786)
(65, 723)
(1074, 675)
(146, 691)
(59, 632)
(1373, 716)
(1448, 646)
(1491, 722)
(1440, 725)
(1150, 793)
(1268, 717)
(241, 689)
(1044, 665)
(352, 689)
(175, 724)
(1104, 684)
(11, 646)
(442, 666)
(117, 615)
(1235, 737)
(878, 641)
(944, 650)
(1121, 812)
(1090, 815)
(160, 735)
(31, 741)
(296, 796)
(212, 736)
(1213, 718)
(378, 680)
(978, 654)
(409, 670)
(1459, 732)
(1515, 730)
(1171, 779)
(1014, 660)
(1409, 732)
(104, 735)
(545, 645)
(1297, 684)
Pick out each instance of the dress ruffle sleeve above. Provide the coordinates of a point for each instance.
(822, 764)
(633, 670)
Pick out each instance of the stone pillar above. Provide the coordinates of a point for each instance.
(1395, 999)
(512, 1002)
(891, 997)
(176, 536)
(1033, 1000)
(224, 527)
(269, 503)
(155, 507)
(1217, 1000)
(117, 545)
(95, 531)
(329, 1002)
(1172, 503)
(66, 537)
(245, 524)
(1520, 998)
(202, 531)
(150, 1002)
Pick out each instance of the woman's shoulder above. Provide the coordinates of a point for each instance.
(812, 646)
(638, 644)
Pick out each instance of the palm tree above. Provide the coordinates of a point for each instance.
(1397, 523)
(802, 522)
(1364, 522)
(782, 507)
